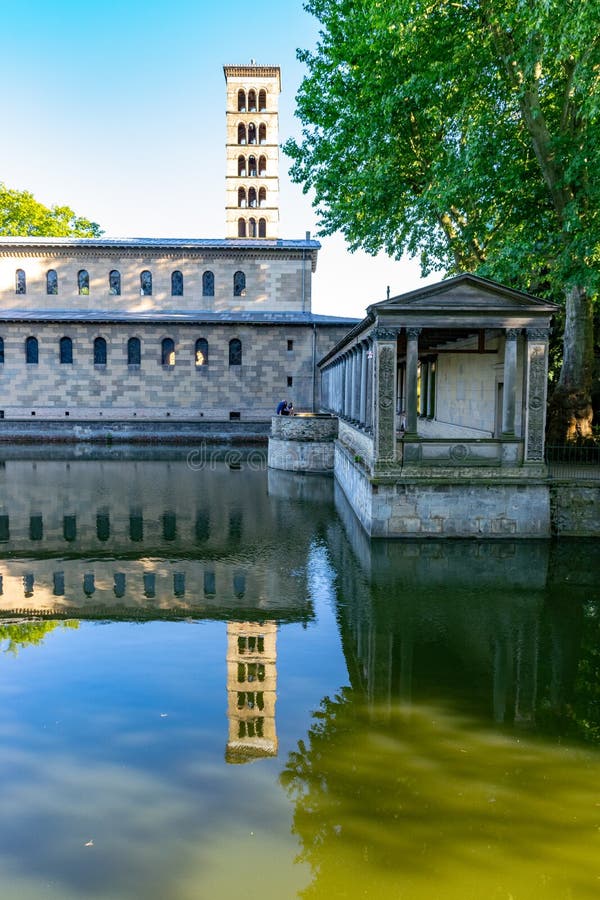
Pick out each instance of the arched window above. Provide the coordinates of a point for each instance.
(252, 198)
(134, 352)
(176, 284)
(262, 228)
(242, 166)
(241, 133)
(208, 283)
(20, 282)
(51, 282)
(241, 101)
(83, 282)
(239, 284)
(102, 526)
(262, 101)
(252, 228)
(262, 197)
(31, 351)
(262, 165)
(252, 166)
(251, 133)
(114, 283)
(235, 352)
(66, 350)
(168, 352)
(201, 352)
(262, 133)
(241, 228)
(1, 351)
(146, 283)
(242, 197)
(99, 351)
(251, 101)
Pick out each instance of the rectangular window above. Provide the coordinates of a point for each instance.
(290, 381)
(290, 345)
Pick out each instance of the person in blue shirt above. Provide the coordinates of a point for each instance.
(280, 407)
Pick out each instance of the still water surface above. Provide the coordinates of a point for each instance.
(212, 685)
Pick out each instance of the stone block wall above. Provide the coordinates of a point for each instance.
(418, 507)
(271, 355)
(575, 508)
(466, 393)
(275, 279)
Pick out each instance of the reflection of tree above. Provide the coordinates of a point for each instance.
(16, 635)
(576, 710)
(388, 803)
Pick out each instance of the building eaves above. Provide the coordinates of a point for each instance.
(173, 317)
(234, 246)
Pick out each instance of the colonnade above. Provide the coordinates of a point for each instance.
(359, 384)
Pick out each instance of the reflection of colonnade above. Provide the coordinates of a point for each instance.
(494, 621)
(251, 690)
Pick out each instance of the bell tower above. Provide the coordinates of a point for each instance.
(252, 151)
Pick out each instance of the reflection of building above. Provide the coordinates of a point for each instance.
(251, 690)
(79, 535)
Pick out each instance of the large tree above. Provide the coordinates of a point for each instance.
(21, 215)
(468, 132)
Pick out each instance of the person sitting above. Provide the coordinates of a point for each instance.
(290, 408)
(280, 408)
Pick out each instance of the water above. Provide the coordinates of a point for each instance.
(213, 685)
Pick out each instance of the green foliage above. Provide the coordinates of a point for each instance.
(22, 216)
(463, 132)
(16, 636)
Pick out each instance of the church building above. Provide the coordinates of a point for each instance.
(201, 330)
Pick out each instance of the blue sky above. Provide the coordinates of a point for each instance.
(117, 109)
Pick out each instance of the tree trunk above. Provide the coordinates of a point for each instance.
(570, 410)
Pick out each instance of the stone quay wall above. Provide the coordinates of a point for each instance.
(303, 443)
(575, 508)
(419, 507)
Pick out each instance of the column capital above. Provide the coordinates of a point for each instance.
(384, 334)
(511, 334)
(537, 334)
(413, 333)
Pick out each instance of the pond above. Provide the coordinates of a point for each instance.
(214, 685)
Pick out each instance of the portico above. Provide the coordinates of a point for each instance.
(444, 384)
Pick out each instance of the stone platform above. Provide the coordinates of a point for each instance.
(303, 443)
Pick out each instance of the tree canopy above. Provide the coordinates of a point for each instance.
(21, 215)
(465, 132)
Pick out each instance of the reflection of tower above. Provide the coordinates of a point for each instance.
(252, 175)
(251, 690)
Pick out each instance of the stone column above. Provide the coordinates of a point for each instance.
(369, 412)
(536, 384)
(357, 382)
(412, 360)
(353, 384)
(385, 346)
(510, 381)
(362, 415)
(347, 386)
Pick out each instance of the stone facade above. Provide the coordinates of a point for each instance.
(252, 151)
(279, 338)
(185, 390)
(277, 275)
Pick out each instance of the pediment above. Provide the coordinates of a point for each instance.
(464, 293)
